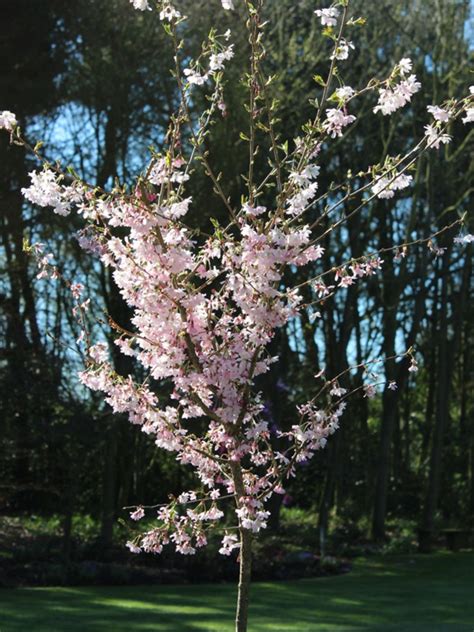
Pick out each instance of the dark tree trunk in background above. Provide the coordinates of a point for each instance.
(442, 407)
(395, 371)
(447, 348)
(337, 363)
(119, 311)
(109, 485)
(391, 290)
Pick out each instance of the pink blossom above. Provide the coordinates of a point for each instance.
(168, 13)
(386, 186)
(253, 211)
(77, 289)
(138, 514)
(435, 137)
(216, 60)
(328, 17)
(194, 77)
(405, 65)
(229, 543)
(469, 118)
(439, 114)
(345, 93)
(370, 391)
(391, 99)
(133, 548)
(45, 190)
(8, 120)
(141, 5)
(342, 50)
(336, 120)
(99, 353)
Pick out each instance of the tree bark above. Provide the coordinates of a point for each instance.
(243, 598)
(442, 410)
(397, 372)
(447, 348)
(245, 557)
(109, 488)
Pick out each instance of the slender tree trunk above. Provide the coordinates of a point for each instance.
(245, 557)
(243, 598)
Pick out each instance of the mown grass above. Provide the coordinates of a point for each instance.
(405, 593)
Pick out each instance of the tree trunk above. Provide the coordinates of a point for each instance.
(120, 312)
(391, 296)
(383, 469)
(109, 487)
(243, 598)
(447, 347)
(274, 507)
(397, 372)
(245, 557)
(442, 410)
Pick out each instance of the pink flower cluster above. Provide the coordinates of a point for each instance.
(385, 186)
(395, 97)
(203, 316)
(46, 190)
(336, 121)
(8, 120)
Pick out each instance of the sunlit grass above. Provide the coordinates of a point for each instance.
(405, 593)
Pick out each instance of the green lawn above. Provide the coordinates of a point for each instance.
(416, 593)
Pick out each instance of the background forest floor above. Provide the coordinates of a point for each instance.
(413, 593)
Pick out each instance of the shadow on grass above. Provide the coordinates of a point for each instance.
(407, 594)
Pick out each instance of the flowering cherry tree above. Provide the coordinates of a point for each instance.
(205, 310)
